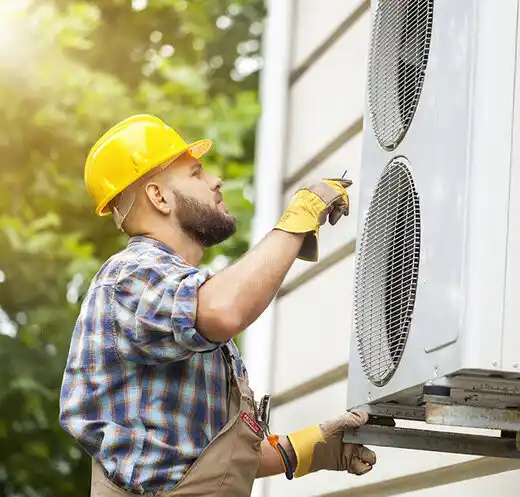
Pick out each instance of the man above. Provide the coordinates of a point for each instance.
(154, 389)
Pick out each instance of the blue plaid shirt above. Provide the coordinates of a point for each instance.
(143, 392)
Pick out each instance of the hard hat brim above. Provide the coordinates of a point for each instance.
(199, 148)
(196, 149)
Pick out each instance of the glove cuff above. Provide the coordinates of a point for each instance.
(303, 443)
(309, 250)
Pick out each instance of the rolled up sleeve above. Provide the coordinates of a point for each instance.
(155, 313)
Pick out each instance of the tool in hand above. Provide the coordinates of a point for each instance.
(346, 183)
(274, 440)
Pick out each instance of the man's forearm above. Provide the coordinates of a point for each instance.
(270, 462)
(235, 297)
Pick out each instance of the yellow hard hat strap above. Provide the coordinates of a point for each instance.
(121, 209)
(123, 203)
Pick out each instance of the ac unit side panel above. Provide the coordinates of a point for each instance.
(438, 145)
(511, 328)
(490, 158)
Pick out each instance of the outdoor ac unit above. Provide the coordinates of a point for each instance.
(437, 282)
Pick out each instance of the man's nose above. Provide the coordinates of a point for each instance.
(217, 183)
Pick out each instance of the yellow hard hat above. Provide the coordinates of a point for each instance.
(129, 150)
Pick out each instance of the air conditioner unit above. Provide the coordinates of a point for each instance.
(436, 325)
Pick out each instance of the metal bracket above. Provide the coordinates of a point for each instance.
(473, 417)
(480, 384)
(435, 441)
(448, 415)
(397, 411)
(381, 429)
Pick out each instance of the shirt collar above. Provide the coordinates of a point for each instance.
(134, 240)
(140, 239)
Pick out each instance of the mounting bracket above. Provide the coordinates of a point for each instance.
(436, 441)
(478, 403)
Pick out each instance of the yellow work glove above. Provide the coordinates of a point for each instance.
(321, 447)
(309, 209)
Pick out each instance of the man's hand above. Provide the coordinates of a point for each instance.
(310, 207)
(321, 447)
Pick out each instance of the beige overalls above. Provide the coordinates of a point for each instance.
(227, 466)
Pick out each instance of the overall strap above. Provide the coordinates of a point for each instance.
(229, 360)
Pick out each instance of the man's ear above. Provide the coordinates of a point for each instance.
(155, 193)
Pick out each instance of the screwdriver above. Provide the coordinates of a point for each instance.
(334, 217)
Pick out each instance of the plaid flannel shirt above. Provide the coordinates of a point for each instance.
(143, 392)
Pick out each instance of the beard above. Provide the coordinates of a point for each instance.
(203, 222)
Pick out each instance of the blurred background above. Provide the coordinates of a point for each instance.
(68, 71)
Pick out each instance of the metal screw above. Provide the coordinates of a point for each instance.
(436, 370)
(515, 364)
(494, 364)
(369, 396)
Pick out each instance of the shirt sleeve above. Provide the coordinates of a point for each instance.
(155, 313)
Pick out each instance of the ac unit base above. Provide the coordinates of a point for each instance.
(480, 402)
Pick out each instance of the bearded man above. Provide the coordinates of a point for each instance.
(154, 389)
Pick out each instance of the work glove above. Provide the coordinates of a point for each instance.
(309, 209)
(321, 447)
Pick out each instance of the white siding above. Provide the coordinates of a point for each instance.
(502, 485)
(315, 25)
(329, 96)
(314, 322)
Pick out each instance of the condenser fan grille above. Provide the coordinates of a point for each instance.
(387, 267)
(398, 57)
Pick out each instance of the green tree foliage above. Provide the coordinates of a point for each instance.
(69, 70)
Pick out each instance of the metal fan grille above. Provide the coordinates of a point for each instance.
(397, 64)
(387, 268)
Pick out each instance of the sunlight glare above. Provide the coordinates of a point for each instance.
(11, 17)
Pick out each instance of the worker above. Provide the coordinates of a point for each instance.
(154, 389)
